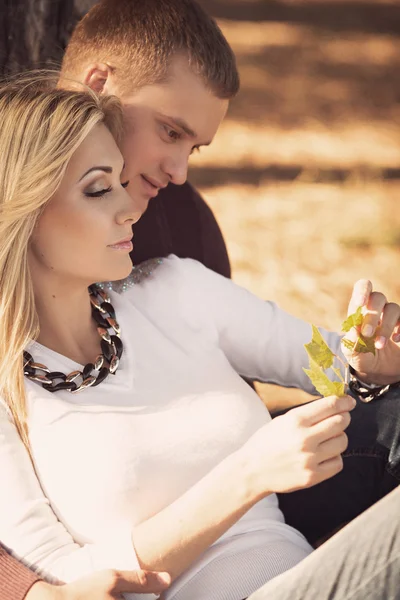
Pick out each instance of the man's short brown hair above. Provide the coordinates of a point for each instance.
(140, 37)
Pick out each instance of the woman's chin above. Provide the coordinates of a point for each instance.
(119, 271)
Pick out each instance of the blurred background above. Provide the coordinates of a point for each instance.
(304, 175)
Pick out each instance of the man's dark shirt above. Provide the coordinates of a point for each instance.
(178, 221)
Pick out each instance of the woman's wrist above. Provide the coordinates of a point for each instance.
(195, 520)
(252, 481)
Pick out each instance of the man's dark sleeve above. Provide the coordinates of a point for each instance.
(214, 251)
(15, 578)
(178, 221)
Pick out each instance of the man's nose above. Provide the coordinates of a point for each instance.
(176, 168)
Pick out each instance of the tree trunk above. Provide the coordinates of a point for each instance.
(34, 33)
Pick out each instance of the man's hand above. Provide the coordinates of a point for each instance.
(381, 319)
(104, 585)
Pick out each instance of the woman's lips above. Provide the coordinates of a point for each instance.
(123, 245)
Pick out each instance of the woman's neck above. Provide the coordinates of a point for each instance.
(65, 318)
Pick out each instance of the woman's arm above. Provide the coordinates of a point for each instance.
(261, 341)
(283, 455)
(264, 343)
(294, 451)
(18, 582)
(105, 585)
(30, 528)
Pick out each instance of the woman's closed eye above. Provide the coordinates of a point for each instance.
(103, 191)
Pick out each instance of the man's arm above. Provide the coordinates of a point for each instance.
(15, 579)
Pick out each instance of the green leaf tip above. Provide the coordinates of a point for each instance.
(319, 351)
(322, 383)
(354, 320)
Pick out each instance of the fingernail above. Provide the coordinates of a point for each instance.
(380, 342)
(353, 402)
(164, 577)
(367, 331)
(396, 338)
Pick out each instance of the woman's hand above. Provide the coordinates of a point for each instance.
(104, 585)
(381, 318)
(299, 449)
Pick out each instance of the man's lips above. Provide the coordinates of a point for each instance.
(151, 186)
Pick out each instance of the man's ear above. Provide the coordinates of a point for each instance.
(98, 77)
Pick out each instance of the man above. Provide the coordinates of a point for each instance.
(175, 73)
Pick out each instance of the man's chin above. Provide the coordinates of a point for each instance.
(142, 203)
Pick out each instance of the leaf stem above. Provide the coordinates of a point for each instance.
(346, 378)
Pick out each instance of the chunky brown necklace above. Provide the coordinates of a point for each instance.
(107, 362)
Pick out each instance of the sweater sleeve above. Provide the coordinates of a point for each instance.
(30, 528)
(15, 578)
(261, 341)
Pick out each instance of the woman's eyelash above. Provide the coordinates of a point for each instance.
(98, 193)
(105, 191)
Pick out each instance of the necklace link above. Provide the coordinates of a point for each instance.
(111, 347)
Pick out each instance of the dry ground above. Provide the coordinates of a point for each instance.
(304, 175)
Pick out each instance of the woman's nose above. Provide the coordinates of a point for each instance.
(130, 210)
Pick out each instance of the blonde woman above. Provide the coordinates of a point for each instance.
(128, 439)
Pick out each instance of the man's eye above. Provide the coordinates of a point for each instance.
(172, 134)
(98, 192)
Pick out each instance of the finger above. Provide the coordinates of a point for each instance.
(332, 448)
(331, 427)
(375, 306)
(329, 468)
(396, 333)
(315, 412)
(145, 582)
(361, 292)
(389, 322)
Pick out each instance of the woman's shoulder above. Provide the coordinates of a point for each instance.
(162, 288)
(156, 272)
(139, 274)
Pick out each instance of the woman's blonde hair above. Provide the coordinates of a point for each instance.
(40, 129)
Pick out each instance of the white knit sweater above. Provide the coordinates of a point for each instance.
(114, 455)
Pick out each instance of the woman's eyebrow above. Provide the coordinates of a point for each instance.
(99, 168)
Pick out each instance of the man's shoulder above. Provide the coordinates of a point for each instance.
(178, 221)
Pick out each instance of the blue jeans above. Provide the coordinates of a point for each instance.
(371, 470)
